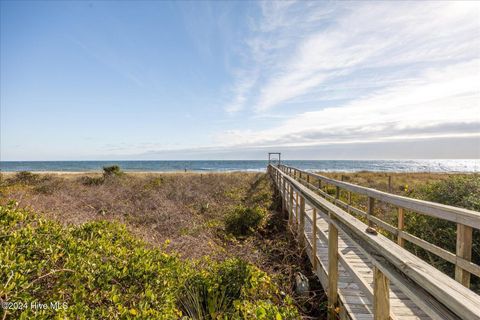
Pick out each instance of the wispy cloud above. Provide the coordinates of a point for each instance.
(398, 70)
(241, 91)
(443, 98)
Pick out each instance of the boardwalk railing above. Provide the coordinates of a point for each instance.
(435, 293)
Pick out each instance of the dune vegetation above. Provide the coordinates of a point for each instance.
(460, 190)
(171, 245)
(98, 270)
(134, 245)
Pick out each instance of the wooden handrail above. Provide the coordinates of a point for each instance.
(466, 220)
(464, 216)
(436, 293)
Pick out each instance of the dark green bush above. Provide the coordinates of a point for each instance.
(100, 271)
(25, 177)
(459, 191)
(112, 171)
(233, 289)
(228, 279)
(242, 221)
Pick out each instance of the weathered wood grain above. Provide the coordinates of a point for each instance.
(438, 295)
(381, 295)
(332, 271)
(467, 217)
(464, 251)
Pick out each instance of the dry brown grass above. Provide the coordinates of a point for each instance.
(188, 209)
(182, 208)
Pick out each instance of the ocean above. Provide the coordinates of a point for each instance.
(469, 165)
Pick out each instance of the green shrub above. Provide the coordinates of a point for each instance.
(242, 221)
(459, 191)
(233, 289)
(227, 279)
(25, 177)
(100, 271)
(112, 171)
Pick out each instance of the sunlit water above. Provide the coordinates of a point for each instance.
(470, 165)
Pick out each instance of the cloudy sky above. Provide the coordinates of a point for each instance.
(235, 80)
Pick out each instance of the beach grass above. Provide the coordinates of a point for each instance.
(189, 211)
(200, 216)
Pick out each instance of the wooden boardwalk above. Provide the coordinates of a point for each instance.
(367, 276)
(355, 271)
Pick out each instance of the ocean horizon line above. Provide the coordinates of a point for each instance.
(410, 165)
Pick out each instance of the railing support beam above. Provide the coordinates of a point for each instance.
(370, 210)
(296, 208)
(290, 213)
(464, 250)
(381, 295)
(332, 271)
(401, 225)
(301, 229)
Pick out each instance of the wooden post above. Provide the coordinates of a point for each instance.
(464, 250)
(332, 271)
(301, 230)
(291, 205)
(283, 196)
(401, 225)
(381, 296)
(337, 192)
(308, 178)
(296, 207)
(314, 240)
(349, 201)
(370, 211)
(319, 184)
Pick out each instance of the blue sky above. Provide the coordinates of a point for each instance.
(235, 80)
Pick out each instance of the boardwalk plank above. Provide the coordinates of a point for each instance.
(356, 301)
